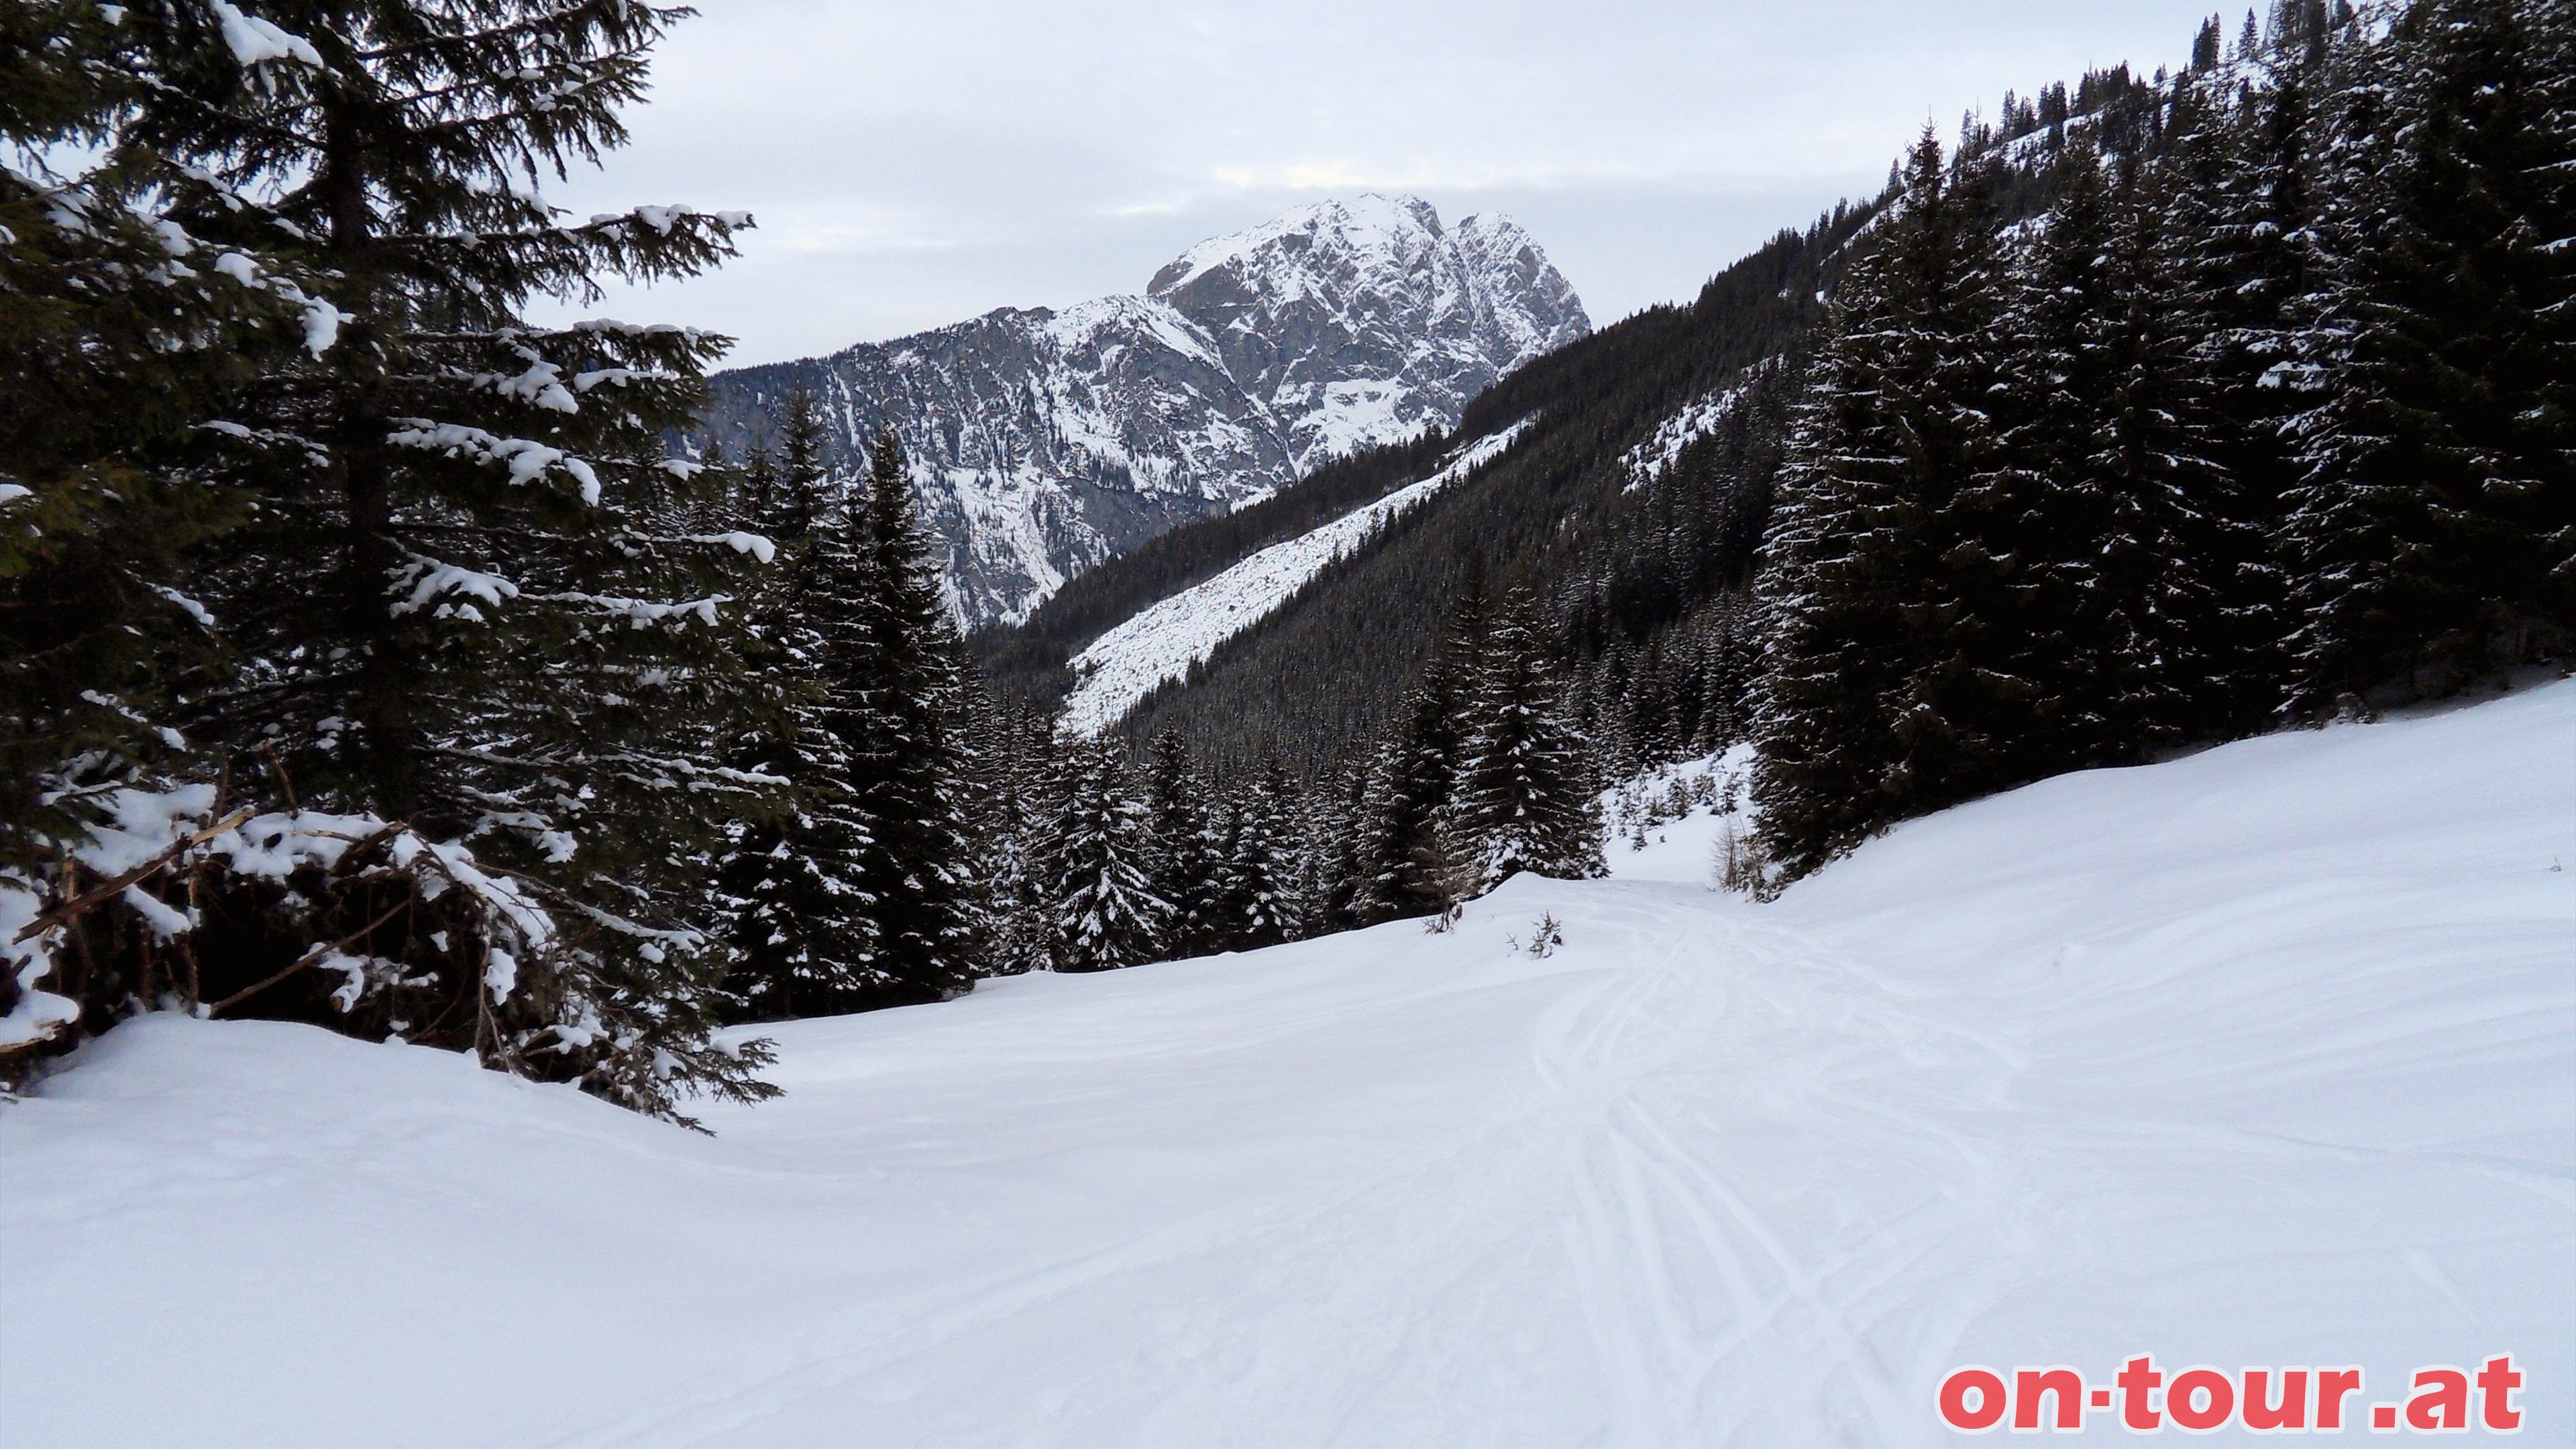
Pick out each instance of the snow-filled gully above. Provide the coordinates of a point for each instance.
(2258, 1057)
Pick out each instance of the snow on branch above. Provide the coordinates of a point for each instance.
(318, 454)
(645, 613)
(541, 385)
(321, 319)
(36, 1016)
(165, 921)
(756, 545)
(255, 41)
(194, 610)
(429, 579)
(663, 218)
(611, 327)
(526, 458)
(622, 377)
(147, 833)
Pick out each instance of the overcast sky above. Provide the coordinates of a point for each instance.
(914, 164)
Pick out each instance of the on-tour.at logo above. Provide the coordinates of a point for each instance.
(2204, 1400)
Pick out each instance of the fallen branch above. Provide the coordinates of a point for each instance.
(82, 904)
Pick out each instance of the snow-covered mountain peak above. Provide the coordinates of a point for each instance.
(1044, 441)
(1383, 230)
(1365, 321)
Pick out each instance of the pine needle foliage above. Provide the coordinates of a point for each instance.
(465, 593)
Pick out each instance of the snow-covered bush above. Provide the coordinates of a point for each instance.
(1547, 934)
(176, 902)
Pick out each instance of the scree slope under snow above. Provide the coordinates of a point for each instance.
(2260, 1057)
(1163, 640)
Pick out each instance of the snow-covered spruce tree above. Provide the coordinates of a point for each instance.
(803, 489)
(799, 918)
(1259, 903)
(119, 339)
(2178, 530)
(1103, 909)
(1336, 860)
(478, 634)
(1526, 796)
(1730, 663)
(1414, 775)
(1409, 786)
(122, 333)
(1879, 691)
(2432, 538)
(913, 770)
(1016, 810)
(2238, 243)
(2093, 512)
(1187, 863)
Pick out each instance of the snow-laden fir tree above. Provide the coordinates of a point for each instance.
(1099, 851)
(126, 328)
(121, 335)
(1408, 785)
(475, 622)
(1880, 693)
(913, 769)
(1406, 862)
(2176, 531)
(2432, 537)
(1188, 859)
(800, 919)
(1336, 853)
(1259, 902)
(1013, 818)
(2239, 243)
(1526, 796)
(2092, 515)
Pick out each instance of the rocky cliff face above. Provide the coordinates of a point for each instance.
(1044, 441)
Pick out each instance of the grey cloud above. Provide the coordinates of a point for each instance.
(915, 165)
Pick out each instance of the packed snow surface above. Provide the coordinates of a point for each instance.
(2258, 1057)
(1162, 641)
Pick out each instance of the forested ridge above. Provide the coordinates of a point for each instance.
(2089, 503)
(373, 662)
(1028, 658)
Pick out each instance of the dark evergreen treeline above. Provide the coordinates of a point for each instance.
(2267, 415)
(2164, 410)
(1027, 659)
(1318, 682)
(369, 662)
(1113, 856)
(433, 758)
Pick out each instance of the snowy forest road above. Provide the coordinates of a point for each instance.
(2257, 1057)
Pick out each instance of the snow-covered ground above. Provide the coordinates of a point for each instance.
(1701, 416)
(1161, 642)
(2265, 1056)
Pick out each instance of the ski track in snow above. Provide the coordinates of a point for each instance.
(2257, 1057)
(1162, 641)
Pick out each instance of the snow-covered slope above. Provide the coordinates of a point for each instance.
(1045, 441)
(2266, 1056)
(1162, 642)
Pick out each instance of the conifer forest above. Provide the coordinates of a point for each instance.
(1093, 767)
(375, 657)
